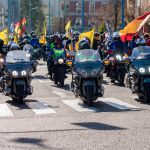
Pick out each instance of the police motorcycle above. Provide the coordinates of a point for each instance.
(17, 72)
(138, 77)
(87, 76)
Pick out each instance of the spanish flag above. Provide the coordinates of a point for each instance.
(134, 27)
(4, 36)
(20, 26)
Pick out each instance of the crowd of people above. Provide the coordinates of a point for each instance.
(104, 42)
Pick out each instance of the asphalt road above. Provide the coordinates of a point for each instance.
(53, 119)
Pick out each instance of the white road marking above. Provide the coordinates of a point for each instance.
(79, 106)
(41, 81)
(40, 108)
(135, 97)
(42, 66)
(5, 111)
(38, 79)
(118, 104)
(61, 94)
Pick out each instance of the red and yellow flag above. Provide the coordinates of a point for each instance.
(134, 27)
(20, 26)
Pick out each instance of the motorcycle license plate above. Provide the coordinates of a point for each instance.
(147, 80)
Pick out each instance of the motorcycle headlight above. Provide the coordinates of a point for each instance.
(28, 55)
(23, 73)
(142, 70)
(15, 73)
(60, 61)
(119, 57)
(82, 72)
(1, 60)
(95, 72)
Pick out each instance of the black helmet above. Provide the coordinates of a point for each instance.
(32, 34)
(14, 47)
(25, 37)
(116, 36)
(26, 41)
(84, 44)
(76, 33)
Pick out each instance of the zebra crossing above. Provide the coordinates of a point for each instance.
(43, 108)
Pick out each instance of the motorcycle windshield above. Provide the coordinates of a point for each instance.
(142, 52)
(17, 56)
(87, 55)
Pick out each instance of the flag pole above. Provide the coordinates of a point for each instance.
(123, 3)
(82, 15)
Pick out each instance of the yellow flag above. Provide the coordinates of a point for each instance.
(89, 35)
(77, 46)
(4, 36)
(42, 40)
(68, 26)
(16, 38)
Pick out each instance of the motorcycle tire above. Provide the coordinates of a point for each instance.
(18, 100)
(61, 73)
(121, 77)
(147, 93)
(89, 99)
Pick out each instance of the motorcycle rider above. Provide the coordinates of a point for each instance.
(147, 39)
(11, 42)
(96, 41)
(83, 45)
(132, 43)
(140, 42)
(34, 40)
(116, 44)
(14, 47)
(28, 48)
(46, 47)
(1, 46)
(54, 53)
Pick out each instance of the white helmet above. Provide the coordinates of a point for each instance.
(140, 42)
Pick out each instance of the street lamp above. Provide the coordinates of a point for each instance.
(49, 23)
(123, 14)
(30, 25)
(30, 15)
(82, 15)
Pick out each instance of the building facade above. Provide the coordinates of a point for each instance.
(56, 14)
(136, 8)
(95, 12)
(63, 10)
